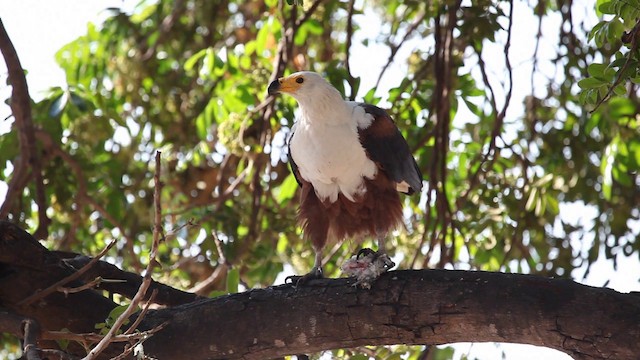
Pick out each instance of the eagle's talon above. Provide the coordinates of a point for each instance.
(301, 280)
(366, 252)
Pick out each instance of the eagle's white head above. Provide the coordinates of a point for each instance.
(313, 93)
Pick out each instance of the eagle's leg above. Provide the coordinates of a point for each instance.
(315, 273)
(382, 252)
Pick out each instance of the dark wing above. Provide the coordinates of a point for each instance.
(386, 147)
(294, 167)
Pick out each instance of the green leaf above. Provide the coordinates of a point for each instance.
(596, 70)
(634, 148)
(287, 189)
(591, 83)
(193, 60)
(531, 201)
(605, 7)
(233, 279)
(606, 167)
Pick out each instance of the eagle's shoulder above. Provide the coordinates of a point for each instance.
(386, 146)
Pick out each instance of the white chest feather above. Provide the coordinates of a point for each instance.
(329, 155)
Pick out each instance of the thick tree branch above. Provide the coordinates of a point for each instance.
(30, 156)
(404, 307)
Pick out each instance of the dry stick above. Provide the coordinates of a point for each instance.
(31, 331)
(223, 265)
(93, 283)
(202, 287)
(90, 285)
(135, 324)
(53, 288)
(147, 334)
(93, 337)
(146, 281)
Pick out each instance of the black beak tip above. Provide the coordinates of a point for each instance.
(274, 87)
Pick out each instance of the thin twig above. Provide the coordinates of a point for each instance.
(142, 314)
(53, 288)
(632, 37)
(223, 259)
(308, 13)
(203, 287)
(146, 281)
(90, 285)
(93, 337)
(350, 79)
(395, 48)
(31, 333)
(540, 11)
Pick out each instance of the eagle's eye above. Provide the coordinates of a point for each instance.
(299, 80)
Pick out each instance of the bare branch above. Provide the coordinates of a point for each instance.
(30, 157)
(308, 13)
(93, 337)
(90, 285)
(395, 48)
(350, 78)
(135, 324)
(31, 331)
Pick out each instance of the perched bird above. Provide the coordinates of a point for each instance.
(351, 161)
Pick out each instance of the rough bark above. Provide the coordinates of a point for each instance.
(403, 307)
(406, 307)
(30, 161)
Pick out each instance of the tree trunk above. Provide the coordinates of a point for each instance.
(403, 307)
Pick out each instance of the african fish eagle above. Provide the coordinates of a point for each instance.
(351, 161)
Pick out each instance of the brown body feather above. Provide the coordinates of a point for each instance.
(376, 212)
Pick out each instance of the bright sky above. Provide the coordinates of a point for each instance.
(39, 28)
